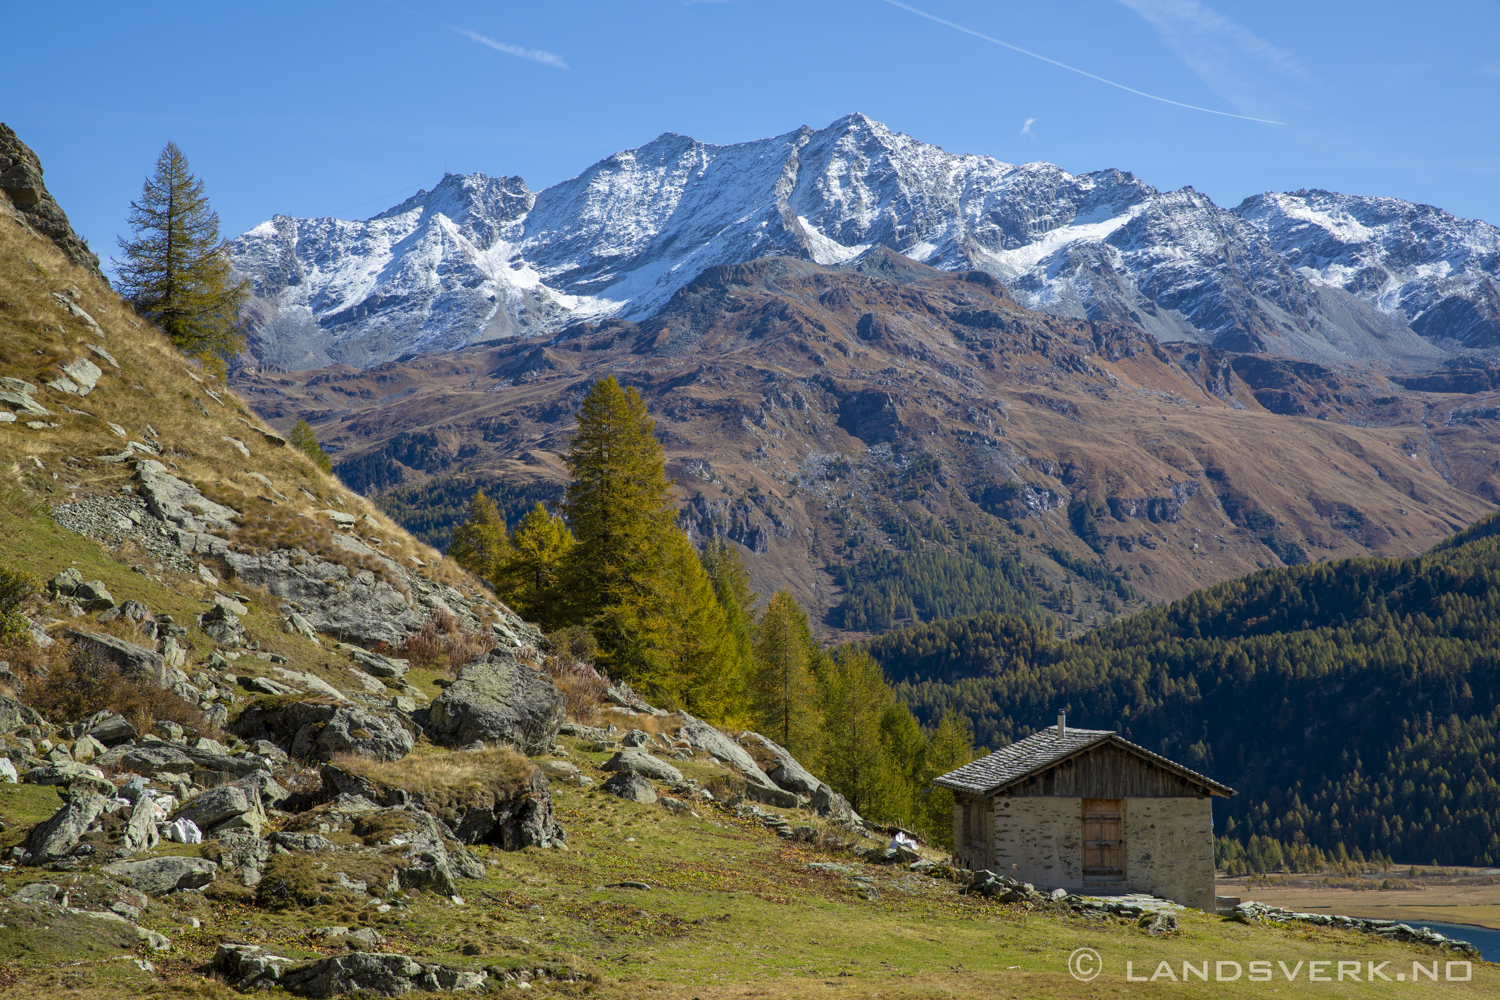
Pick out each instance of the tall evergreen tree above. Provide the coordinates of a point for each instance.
(785, 695)
(852, 750)
(526, 574)
(176, 270)
(619, 506)
(480, 544)
(305, 441)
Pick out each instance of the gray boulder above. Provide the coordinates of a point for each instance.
(300, 841)
(631, 787)
(61, 774)
(158, 876)
(110, 729)
(318, 730)
(787, 774)
(93, 595)
(375, 972)
(223, 626)
(243, 853)
(170, 499)
(54, 839)
(523, 819)
(636, 738)
(833, 806)
(150, 759)
(642, 763)
(499, 700)
(379, 666)
(579, 731)
(228, 807)
(248, 966)
(140, 830)
(14, 715)
(771, 795)
(704, 737)
(65, 583)
(136, 662)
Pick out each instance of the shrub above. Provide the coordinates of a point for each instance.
(82, 681)
(17, 589)
(582, 686)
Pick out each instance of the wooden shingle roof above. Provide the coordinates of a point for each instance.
(1044, 749)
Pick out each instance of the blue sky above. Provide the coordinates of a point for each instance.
(344, 108)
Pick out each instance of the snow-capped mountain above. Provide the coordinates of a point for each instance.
(1440, 272)
(478, 258)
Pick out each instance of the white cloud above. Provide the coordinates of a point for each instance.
(535, 55)
(1026, 129)
(1232, 60)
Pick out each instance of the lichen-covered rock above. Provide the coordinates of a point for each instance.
(225, 808)
(631, 787)
(177, 502)
(223, 626)
(375, 972)
(158, 876)
(318, 730)
(243, 853)
(14, 715)
(499, 700)
(110, 729)
(525, 819)
(708, 739)
(248, 966)
(55, 838)
(788, 773)
(149, 759)
(642, 763)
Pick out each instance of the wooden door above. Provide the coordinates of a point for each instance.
(1103, 839)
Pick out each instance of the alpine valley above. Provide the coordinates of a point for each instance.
(888, 371)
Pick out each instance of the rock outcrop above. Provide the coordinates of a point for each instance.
(317, 730)
(21, 180)
(499, 700)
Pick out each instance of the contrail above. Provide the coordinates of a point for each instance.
(1073, 69)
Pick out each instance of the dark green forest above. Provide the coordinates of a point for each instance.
(430, 510)
(1350, 703)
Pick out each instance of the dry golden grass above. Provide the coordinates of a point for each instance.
(463, 778)
(162, 400)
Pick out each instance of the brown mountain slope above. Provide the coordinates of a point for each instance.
(813, 413)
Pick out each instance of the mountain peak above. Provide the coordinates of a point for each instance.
(622, 236)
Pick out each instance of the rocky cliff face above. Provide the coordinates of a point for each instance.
(478, 258)
(21, 182)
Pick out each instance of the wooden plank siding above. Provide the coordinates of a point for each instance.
(1107, 772)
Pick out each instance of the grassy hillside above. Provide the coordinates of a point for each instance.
(1349, 702)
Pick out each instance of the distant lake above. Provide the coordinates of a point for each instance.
(1486, 939)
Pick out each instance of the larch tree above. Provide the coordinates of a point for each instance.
(784, 693)
(852, 748)
(176, 270)
(305, 441)
(620, 508)
(695, 665)
(480, 544)
(527, 572)
(950, 746)
(731, 581)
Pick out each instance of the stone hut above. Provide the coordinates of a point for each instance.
(1090, 812)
